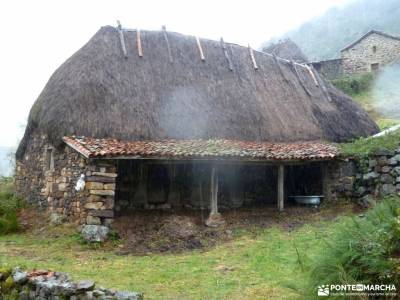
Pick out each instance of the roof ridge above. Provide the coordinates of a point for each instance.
(392, 36)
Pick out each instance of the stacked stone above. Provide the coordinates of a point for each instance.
(100, 192)
(43, 284)
(381, 174)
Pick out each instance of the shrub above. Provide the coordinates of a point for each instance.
(9, 206)
(362, 250)
(354, 85)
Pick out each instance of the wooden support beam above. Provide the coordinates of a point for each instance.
(164, 30)
(253, 59)
(215, 219)
(200, 49)
(326, 182)
(281, 187)
(122, 39)
(214, 191)
(226, 54)
(299, 78)
(139, 43)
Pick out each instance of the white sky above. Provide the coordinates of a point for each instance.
(37, 36)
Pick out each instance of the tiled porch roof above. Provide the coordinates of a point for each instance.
(201, 149)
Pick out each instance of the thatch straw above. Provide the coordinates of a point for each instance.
(99, 93)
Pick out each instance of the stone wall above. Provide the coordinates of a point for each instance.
(43, 284)
(46, 176)
(360, 57)
(330, 69)
(377, 175)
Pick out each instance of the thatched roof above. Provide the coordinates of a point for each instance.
(286, 49)
(202, 149)
(171, 93)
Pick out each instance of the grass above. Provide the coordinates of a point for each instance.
(253, 265)
(8, 206)
(365, 146)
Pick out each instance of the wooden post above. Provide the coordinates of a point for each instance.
(122, 39)
(281, 187)
(200, 49)
(215, 219)
(326, 183)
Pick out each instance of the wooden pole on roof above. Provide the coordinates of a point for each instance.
(253, 59)
(200, 49)
(312, 75)
(226, 54)
(122, 39)
(281, 187)
(164, 30)
(139, 43)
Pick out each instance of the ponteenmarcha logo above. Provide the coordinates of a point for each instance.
(323, 290)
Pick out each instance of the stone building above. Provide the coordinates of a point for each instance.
(370, 52)
(160, 120)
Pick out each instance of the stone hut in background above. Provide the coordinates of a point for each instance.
(371, 52)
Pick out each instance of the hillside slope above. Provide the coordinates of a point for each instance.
(323, 37)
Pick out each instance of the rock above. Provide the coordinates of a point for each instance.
(360, 191)
(385, 169)
(366, 201)
(382, 161)
(102, 192)
(95, 233)
(128, 296)
(215, 220)
(85, 285)
(384, 152)
(386, 178)
(62, 187)
(90, 220)
(387, 189)
(396, 170)
(396, 157)
(398, 179)
(57, 219)
(94, 205)
(94, 186)
(370, 175)
(19, 277)
(98, 293)
(393, 161)
(372, 163)
(112, 175)
(109, 186)
(100, 179)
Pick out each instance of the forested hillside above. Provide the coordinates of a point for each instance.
(323, 37)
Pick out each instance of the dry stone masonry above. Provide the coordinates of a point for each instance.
(43, 284)
(364, 178)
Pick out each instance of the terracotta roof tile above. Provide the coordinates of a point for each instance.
(201, 149)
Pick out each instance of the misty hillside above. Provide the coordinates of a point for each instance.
(5, 166)
(323, 37)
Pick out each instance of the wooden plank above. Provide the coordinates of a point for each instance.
(253, 59)
(122, 39)
(164, 30)
(326, 182)
(214, 190)
(200, 49)
(281, 187)
(225, 50)
(139, 43)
